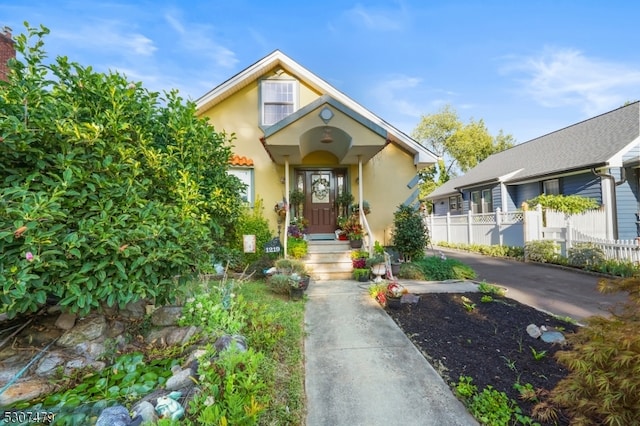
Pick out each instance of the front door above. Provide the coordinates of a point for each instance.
(320, 201)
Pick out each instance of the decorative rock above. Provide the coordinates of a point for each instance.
(117, 416)
(223, 343)
(25, 391)
(89, 329)
(91, 350)
(116, 329)
(134, 310)
(147, 411)
(534, 331)
(181, 335)
(166, 315)
(66, 321)
(552, 337)
(75, 364)
(180, 380)
(49, 363)
(410, 298)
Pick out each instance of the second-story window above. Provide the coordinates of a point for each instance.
(278, 100)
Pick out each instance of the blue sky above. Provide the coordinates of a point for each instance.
(528, 68)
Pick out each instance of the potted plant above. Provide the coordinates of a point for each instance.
(343, 201)
(361, 274)
(354, 231)
(296, 199)
(389, 295)
(366, 207)
(393, 295)
(296, 287)
(295, 270)
(377, 265)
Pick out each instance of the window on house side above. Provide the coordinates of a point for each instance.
(475, 202)
(278, 100)
(551, 187)
(455, 204)
(487, 201)
(246, 176)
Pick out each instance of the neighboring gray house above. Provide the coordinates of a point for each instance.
(597, 158)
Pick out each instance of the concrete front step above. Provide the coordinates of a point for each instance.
(329, 260)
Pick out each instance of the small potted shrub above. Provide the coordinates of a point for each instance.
(361, 274)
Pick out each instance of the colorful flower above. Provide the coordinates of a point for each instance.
(29, 256)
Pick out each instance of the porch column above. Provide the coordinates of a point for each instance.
(360, 187)
(288, 207)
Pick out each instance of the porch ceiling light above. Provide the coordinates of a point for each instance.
(326, 136)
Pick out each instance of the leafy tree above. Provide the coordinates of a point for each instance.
(461, 146)
(109, 192)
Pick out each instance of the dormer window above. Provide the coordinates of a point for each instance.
(278, 100)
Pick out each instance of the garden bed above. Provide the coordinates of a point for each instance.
(487, 342)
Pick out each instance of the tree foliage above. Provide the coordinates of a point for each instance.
(109, 192)
(461, 146)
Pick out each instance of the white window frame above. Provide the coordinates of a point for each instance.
(245, 174)
(475, 202)
(487, 207)
(455, 203)
(266, 99)
(551, 187)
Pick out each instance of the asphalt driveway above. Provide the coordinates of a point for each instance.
(550, 288)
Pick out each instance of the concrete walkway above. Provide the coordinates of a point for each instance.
(361, 369)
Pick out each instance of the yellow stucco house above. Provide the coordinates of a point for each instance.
(294, 131)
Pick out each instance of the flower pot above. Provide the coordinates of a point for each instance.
(355, 243)
(378, 270)
(296, 293)
(305, 282)
(395, 268)
(363, 278)
(394, 302)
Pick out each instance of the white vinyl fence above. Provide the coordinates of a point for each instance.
(516, 228)
(485, 228)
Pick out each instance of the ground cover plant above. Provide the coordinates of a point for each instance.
(264, 385)
(479, 344)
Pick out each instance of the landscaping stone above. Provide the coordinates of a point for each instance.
(180, 380)
(534, 331)
(223, 343)
(66, 321)
(25, 391)
(146, 411)
(552, 337)
(88, 329)
(117, 416)
(49, 363)
(166, 315)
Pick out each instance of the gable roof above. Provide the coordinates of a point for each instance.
(597, 142)
(422, 156)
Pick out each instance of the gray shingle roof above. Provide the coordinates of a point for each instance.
(586, 144)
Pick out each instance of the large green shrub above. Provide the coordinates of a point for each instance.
(109, 192)
(543, 251)
(604, 362)
(585, 255)
(440, 268)
(570, 204)
(410, 235)
(252, 222)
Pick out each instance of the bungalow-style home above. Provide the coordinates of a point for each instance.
(597, 158)
(295, 132)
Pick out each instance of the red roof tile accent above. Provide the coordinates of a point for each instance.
(237, 160)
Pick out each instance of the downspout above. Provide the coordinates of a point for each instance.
(614, 201)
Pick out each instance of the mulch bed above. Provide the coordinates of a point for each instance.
(490, 343)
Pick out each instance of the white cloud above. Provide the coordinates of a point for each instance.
(566, 77)
(378, 19)
(111, 39)
(196, 38)
(395, 94)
